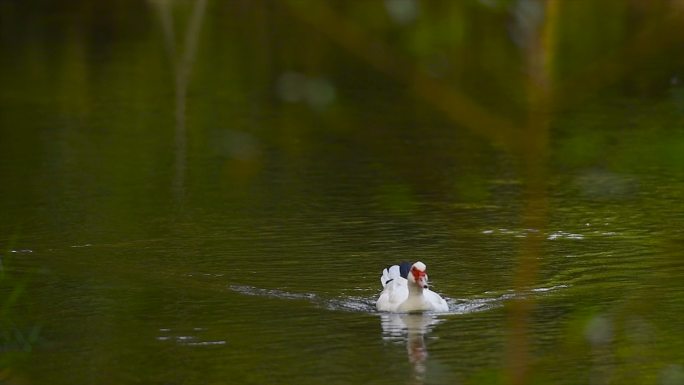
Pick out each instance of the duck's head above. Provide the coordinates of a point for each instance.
(417, 275)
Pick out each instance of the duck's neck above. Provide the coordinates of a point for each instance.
(416, 299)
(415, 290)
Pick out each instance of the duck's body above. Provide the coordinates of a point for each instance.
(405, 290)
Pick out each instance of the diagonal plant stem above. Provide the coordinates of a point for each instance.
(457, 107)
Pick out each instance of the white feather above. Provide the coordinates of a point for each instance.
(402, 295)
(389, 273)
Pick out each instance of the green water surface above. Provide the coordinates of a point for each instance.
(206, 192)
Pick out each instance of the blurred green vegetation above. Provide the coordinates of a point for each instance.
(397, 108)
(17, 339)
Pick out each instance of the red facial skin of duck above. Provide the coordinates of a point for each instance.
(420, 277)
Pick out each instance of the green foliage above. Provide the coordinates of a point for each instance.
(16, 340)
(314, 132)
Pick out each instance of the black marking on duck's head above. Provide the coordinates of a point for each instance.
(405, 268)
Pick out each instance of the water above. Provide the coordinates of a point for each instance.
(201, 192)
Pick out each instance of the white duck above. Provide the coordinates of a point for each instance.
(406, 290)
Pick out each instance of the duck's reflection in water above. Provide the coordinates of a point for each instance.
(411, 328)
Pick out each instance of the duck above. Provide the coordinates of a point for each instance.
(405, 290)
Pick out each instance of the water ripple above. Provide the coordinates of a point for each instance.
(186, 339)
(367, 304)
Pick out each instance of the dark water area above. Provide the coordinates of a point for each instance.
(204, 192)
